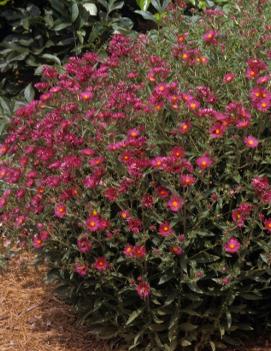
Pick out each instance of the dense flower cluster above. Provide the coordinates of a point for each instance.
(144, 177)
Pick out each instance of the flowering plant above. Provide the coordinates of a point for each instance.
(144, 179)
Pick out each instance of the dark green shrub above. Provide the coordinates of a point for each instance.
(38, 32)
(143, 178)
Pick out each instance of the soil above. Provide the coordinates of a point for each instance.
(32, 318)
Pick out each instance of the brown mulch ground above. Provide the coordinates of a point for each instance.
(32, 318)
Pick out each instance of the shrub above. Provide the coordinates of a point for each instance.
(44, 32)
(143, 178)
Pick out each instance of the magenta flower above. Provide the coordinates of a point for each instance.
(263, 79)
(81, 269)
(165, 229)
(260, 184)
(83, 244)
(176, 250)
(267, 224)
(232, 245)
(210, 37)
(139, 251)
(60, 210)
(3, 149)
(37, 242)
(44, 235)
(177, 152)
(264, 105)
(128, 250)
(175, 203)
(86, 96)
(101, 264)
(228, 77)
(204, 162)
(184, 127)
(251, 142)
(93, 223)
(143, 289)
(217, 130)
(187, 180)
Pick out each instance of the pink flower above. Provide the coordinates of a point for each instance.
(177, 152)
(93, 223)
(260, 184)
(60, 210)
(83, 244)
(3, 149)
(147, 201)
(187, 180)
(232, 245)
(240, 214)
(44, 235)
(204, 162)
(37, 242)
(128, 250)
(139, 251)
(86, 96)
(263, 79)
(133, 133)
(143, 289)
(175, 203)
(267, 224)
(217, 130)
(176, 250)
(101, 264)
(165, 229)
(81, 269)
(125, 214)
(193, 105)
(111, 194)
(251, 142)
(210, 37)
(163, 192)
(264, 105)
(184, 127)
(228, 77)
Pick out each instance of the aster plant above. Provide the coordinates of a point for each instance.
(143, 177)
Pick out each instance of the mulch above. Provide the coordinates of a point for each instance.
(32, 318)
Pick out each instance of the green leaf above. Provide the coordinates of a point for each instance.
(136, 340)
(213, 347)
(113, 6)
(229, 319)
(146, 15)
(193, 286)
(4, 106)
(74, 12)
(143, 4)
(188, 327)
(61, 26)
(91, 9)
(165, 278)
(53, 58)
(185, 343)
(134, 315)
(29, 93)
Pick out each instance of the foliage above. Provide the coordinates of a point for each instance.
(39, 32)
(204, 4)
(143, 178)
(8, 106)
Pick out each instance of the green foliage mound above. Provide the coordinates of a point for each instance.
(143, 178)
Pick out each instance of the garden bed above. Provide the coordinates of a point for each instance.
(32, 318)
